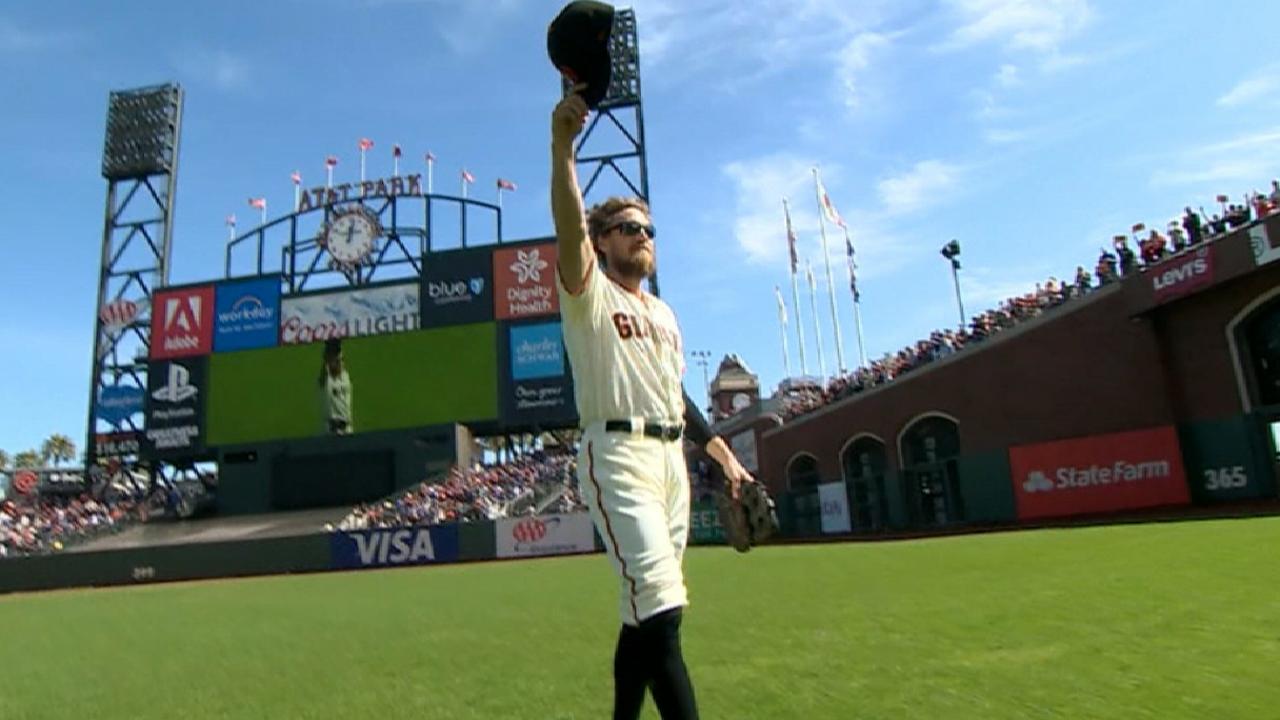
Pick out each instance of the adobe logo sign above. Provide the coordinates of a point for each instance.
(1099, 474)
(525, 282)
(182, 322)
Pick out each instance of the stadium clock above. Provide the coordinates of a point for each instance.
(350, 236)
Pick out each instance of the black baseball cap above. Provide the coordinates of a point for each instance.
(578, 44)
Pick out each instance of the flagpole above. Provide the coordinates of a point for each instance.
(264, 213)
(431, 164)
(817, 327)
(362, 153)
(297, 192)
(831, 289)
(499, 197)
(231, 228)
(464, 186)
(782, 325)
(795, 295)
(329, 174)
(857, 302)
(395, 161)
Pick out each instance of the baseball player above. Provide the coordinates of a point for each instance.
(334, 385)
(625, 350)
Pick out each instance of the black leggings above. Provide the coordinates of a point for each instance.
(648, 656)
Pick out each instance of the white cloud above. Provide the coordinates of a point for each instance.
(14, 39)
(759, 185)
(1035, 25)
(220, 68)
(1252, 88)
(929, 180)
(855, 58)
(1232, 165)
(1007, 76)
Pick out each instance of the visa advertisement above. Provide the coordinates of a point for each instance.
(1099, 474)
(393, 547)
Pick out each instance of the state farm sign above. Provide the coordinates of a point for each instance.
(1104, 473)
(1183, 275)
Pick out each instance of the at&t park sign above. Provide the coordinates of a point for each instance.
(388, 187)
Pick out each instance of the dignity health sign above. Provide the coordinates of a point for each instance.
(1103, 473)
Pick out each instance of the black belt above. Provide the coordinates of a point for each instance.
(661, 431)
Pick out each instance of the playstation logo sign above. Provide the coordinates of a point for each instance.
(179, 386)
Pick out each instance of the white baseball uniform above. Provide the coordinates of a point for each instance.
(627, 361)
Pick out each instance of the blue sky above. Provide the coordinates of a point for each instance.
(1030, 130)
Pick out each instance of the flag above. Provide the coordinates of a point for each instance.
(297, 177)
(231, 220)
(366, 144)
(331, 161)
(827, 208)
(468, 177)
(791, 239)
(1139, 227)
(1223, 198)
(260, 203)
(782, 306)
(853, 269)
(808, 272)
(431, 157)
(506, 185)
(395, 151)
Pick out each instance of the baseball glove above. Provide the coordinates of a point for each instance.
(750, 519)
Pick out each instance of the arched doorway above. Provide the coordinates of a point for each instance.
(805, 507)
(865, 463)
(1254, 336)
(930, 450)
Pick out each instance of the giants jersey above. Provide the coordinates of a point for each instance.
(625, 351)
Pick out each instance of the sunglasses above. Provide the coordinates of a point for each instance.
(632, 228)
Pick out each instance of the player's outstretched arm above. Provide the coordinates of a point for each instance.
(573, 246)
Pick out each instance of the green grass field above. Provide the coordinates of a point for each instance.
(1178, 620)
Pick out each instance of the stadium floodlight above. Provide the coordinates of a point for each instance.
(951, 251)
(142, 136)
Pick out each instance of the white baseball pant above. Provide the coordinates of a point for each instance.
(637, 489)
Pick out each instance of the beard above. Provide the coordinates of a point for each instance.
(638, 265)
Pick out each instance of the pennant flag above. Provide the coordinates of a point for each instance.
(297, 177)
(366, 144)
(782, 306)
(506, 185)
(468, 177)
(260, 203)
(791, 239)
(827, 208)
(431, 157)
(853, 269)
(331, 161)
(231, 220)
(395, 151)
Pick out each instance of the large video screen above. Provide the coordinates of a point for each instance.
(358, 385)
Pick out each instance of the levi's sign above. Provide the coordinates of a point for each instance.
(1183, 275)
(1104, 473)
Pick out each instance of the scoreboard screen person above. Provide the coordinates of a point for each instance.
(626, 353)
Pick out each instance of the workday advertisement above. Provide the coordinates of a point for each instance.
(246, 314)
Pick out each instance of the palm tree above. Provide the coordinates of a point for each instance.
(27, 459)
(58, 448)
(4, 460)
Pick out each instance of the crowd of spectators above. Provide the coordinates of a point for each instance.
(484, 492)
(44, 525)
(1192, 229)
